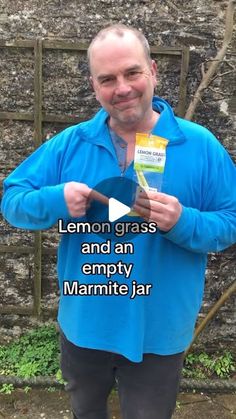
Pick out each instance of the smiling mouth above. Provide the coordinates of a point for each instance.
(125, 101)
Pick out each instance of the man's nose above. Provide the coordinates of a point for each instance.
(122, 87)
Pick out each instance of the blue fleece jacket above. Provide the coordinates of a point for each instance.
(198, 171)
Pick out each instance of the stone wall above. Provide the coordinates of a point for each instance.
(196, 24)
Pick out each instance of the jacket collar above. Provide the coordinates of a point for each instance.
(167, 125)
(96, 129)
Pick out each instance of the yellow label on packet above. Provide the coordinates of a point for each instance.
(150, 153)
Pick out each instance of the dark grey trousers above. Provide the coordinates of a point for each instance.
(147, 389)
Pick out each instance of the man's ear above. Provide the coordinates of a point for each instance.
(91, 82)
(154, 72)
(92, 85)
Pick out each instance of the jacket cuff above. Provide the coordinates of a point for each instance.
(180, 230)
(56, 201)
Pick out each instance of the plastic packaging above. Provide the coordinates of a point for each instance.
(149, 161)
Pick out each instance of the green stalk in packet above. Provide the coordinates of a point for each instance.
(149, 162)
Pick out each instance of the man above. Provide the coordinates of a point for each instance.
(140, 341)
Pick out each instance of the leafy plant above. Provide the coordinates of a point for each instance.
(59, 377)
(224, 365)
(7, 388)
(178, 405)
(35, 353)
(204, 366)
(51, 389)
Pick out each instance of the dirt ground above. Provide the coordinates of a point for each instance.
(43, 404)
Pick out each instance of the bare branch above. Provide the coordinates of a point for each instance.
(206, 80)
(223, 74)
(203, 70)
(230, 65)
(217, 92)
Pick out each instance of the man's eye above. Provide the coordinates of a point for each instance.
(106, 81)
(133, 74)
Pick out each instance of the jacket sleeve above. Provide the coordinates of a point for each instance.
(213, 228)
(33, 196)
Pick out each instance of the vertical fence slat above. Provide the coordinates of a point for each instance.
(183, 83)
(37, 142)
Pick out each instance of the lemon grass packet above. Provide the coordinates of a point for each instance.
(149, 161)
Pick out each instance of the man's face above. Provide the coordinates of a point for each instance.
(123, 79)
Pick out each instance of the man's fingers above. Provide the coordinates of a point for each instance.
(81, 188)
(76, 197)
(142, 210)
(150, 204)
(155, 196)
(161, 208)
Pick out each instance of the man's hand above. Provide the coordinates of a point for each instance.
(161, 208)
(76, 197)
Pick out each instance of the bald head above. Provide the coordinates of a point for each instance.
(118, 31)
